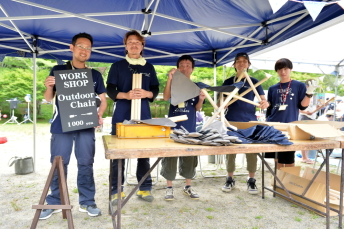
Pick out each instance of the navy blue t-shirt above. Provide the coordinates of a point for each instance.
(297, 92)
(99, 88)
(121, 74)
(189, 109)
(240, 111)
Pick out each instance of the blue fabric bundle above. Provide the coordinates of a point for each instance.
(260, 134)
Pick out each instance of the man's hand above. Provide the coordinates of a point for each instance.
(170, 73)
(312, 86)
(49, 82)
(100, 120)
(140, 93)
(201, 95)
(264, 104)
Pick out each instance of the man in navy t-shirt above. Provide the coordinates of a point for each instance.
(187, 165)
(241, 111)
(286, 98)
(83, 140)
(120, 90)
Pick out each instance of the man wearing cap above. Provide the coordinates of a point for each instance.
(241, 111)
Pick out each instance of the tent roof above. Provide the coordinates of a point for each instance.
(211, 31)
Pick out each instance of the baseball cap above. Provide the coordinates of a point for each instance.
(243, 54)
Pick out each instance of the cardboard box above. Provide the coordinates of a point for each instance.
(297, 131)
(291, 179)
(334, 124)
(142, 131)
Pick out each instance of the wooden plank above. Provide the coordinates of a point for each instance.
(138, 102)
(144, 148)
(133, 110)
(52, 207)
(178, 118)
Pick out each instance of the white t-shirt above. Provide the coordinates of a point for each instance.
(310, 108)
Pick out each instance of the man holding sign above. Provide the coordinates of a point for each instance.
(82, 102)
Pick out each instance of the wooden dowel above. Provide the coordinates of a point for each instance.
(222, 114)
(248, 90)
(240, 77)
(245, 100)
(252, 86)
(324, 105)
(229, 97)
(209, 98)
(216, 108)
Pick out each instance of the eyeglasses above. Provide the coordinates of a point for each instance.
(84, 48)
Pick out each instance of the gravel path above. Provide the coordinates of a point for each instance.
(214, 209)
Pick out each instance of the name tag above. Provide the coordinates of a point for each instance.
(282, 107)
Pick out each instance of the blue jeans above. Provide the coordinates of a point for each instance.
(84, 149)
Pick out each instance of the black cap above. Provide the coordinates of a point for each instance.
(244, 54)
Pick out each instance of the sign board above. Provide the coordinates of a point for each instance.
(76, 99)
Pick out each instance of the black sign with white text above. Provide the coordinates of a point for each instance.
(76, 98)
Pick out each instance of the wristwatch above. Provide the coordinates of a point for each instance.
(309, 96)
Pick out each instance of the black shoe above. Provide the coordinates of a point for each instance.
(251, 186)
(191, 193)
(229, 185)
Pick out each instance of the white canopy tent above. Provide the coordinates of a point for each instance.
(319, 50)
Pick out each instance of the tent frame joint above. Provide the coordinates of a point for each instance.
(265, 42)
(149, 11)
(264, 24)
(145, 33)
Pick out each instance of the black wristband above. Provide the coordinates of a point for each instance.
(309, 96)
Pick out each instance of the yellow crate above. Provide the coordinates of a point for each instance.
(141, 131)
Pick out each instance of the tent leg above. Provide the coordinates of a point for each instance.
(34, 103)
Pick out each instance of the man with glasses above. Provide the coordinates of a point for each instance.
(84, 140)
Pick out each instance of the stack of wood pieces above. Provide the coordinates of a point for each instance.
(210, 137)
(136, 103)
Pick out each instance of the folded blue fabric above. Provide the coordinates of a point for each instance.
(260, 134)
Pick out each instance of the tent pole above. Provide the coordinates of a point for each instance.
(34, 102)
(215, 93)
(224, 68)
(336, 92)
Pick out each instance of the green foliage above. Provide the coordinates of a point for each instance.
(16, 80)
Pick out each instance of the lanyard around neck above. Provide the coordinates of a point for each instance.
(284, 95)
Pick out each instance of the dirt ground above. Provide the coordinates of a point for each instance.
(214, 209)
